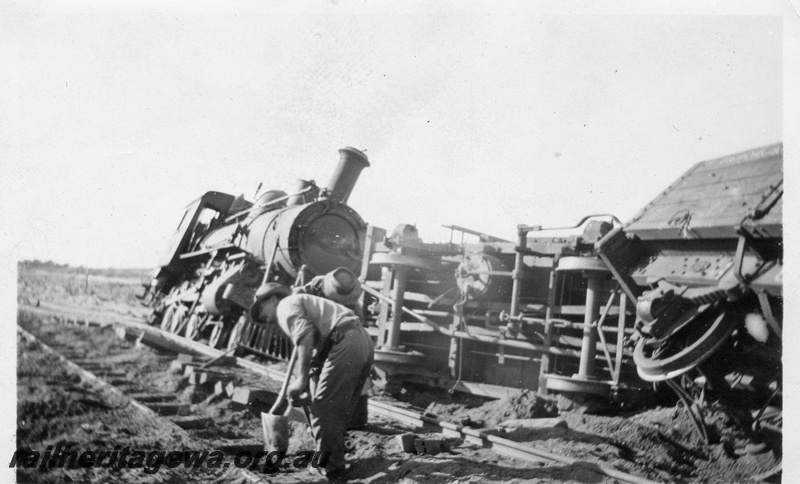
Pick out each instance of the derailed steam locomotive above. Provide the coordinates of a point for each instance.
(225, 247)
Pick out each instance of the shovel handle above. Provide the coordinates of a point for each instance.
(285, 385)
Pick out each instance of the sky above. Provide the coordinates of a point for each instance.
(118, 115)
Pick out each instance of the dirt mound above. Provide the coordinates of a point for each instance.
(520, 405)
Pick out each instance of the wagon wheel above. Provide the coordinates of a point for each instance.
(236, 332)
(687, 348)
(193, 327)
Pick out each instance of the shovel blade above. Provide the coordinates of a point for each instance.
(276, 432)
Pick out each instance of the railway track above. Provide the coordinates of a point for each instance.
(100, 375)
(498, 444)
(157, 337)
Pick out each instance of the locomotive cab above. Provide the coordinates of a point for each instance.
(198, 216)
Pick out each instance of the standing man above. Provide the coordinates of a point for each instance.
(335, 355)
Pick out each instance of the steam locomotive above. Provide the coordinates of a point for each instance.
(225, 247)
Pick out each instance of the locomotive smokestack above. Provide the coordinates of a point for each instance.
(351, 163)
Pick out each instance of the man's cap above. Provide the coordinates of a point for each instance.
(267, 290)
(341, 286)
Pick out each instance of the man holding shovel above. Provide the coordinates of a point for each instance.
(334, 359)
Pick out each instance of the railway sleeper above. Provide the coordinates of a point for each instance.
(178, 366)
(167, 408)
(191, 422)
(243, 397)
(152, 397)
(109, 373)
(208, 378)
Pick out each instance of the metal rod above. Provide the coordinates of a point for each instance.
(268, 270)
(559, 322)
(516, 287)
(214, 360)
(505, 355)
(623, 302)
(383, 316)
(430, 347)
(768, 316)
(546, 364)
(584, 219)
(486, 339)
(589, 347)
(604, 345)
(463, 230)
(697, 418)
(516, 280)
(489, 273)
(398, 298)
(271, 202)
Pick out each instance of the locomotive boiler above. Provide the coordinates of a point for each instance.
(703, 263)
(224, 248)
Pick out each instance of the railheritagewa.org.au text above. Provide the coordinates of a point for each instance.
(151, 461)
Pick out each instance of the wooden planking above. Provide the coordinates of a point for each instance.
(702, 191)
(750, 190)
(708, 211)
(764, 152)
(711, 217)
(709, 174)
(754, 186)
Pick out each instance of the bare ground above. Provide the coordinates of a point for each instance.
(657, 442)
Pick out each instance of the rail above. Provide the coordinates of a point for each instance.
(498, 444)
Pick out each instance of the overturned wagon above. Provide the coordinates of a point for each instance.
(492, 316)
(704, 264)
(690, 288)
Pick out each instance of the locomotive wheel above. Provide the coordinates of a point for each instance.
(192, 327)
(686, 349)
(217, 335)
(233, 339)
(177, 318)
(166, 318)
